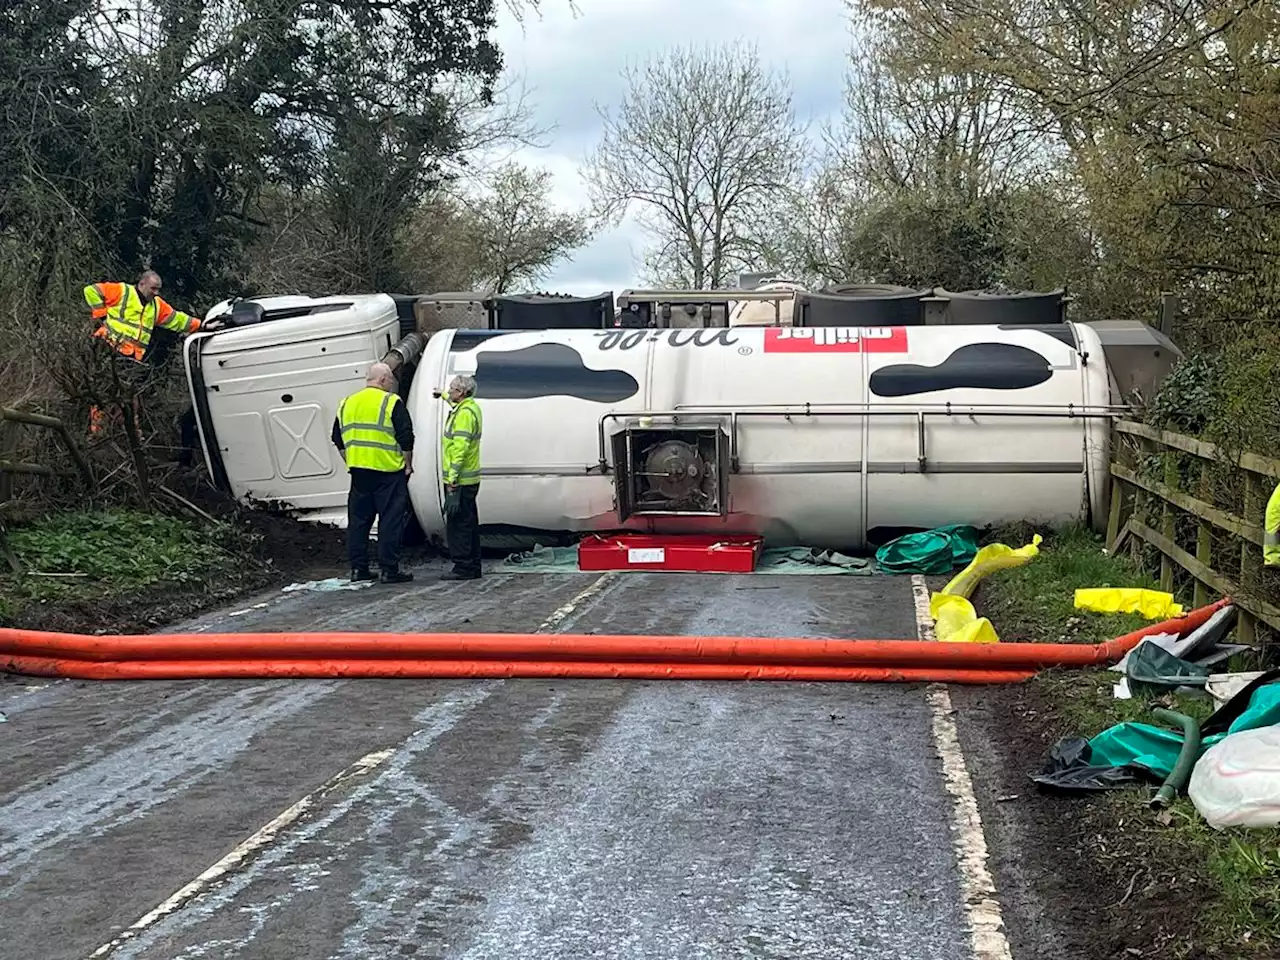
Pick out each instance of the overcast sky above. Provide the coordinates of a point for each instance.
(570, 63)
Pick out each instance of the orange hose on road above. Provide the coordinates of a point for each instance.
(487, 669)
(253, 647)
(459, 655)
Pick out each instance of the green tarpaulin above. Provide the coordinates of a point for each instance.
(935, 551)
(1156, 749)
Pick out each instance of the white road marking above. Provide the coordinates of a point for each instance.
(559, 615)
(924, 619)
(268, 833)
(981, 902)
(245, 849)
(201, 899)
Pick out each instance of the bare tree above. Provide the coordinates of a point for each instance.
(504, 232)
(705, 147)
(907, 127)
(518, 234)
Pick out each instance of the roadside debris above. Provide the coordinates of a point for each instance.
(247, 610)
(1148, 604)
(1166, 662)
(1230, 765)
(1223, 686)
(327, 586)
(935, 551)
(1236, 783)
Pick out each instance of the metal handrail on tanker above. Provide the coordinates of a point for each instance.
(786, 411)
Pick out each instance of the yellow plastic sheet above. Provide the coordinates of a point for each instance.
(991, 559)
(955, 620)
(1149, 604)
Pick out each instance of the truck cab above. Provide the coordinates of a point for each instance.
(266, 389)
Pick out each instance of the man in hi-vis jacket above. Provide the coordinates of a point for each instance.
(126, 314)
(374, 433)
(460, 472)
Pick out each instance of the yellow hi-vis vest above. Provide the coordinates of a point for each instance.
(1271, 531)
(127, 322)
(460, 445)
(368, 438)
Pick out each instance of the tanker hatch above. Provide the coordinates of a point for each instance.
(678, 469)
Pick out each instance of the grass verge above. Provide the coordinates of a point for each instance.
(126, 571)
(1235, 873)
(121, 557)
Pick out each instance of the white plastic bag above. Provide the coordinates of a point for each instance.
(1236, 783)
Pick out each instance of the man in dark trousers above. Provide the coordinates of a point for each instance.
(460, 472)
(375, 435)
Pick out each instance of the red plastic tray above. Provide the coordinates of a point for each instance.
(688, 553)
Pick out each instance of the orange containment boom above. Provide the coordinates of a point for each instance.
(487, 670)
(250, 655)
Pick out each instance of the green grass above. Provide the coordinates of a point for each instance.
(82, 556)
(1035, 602)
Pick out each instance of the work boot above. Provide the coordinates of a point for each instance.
(361, 575)
(396, 576)
(455, 575)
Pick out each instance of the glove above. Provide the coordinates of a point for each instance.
(452, 500)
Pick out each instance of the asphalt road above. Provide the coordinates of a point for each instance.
(496, 819)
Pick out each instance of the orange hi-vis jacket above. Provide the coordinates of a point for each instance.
(126, 322)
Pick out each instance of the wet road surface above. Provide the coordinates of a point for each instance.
(491, 819)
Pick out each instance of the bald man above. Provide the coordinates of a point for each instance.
(126, 316)
(374, 433)
(128, 313)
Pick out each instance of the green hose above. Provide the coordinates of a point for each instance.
(1187, 756)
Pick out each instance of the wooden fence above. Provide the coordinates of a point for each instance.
(10, 465)
(1224, 520)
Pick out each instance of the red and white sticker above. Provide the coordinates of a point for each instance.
(835, 340)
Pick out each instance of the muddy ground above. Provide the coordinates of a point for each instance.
(275, 550)
(1081, 865)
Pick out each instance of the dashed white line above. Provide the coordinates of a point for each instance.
(981, 902)
(245, 849)
(562, 612)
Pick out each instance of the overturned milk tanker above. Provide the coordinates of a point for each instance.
(822, 436)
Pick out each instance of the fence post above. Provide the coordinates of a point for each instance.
(1118, 491)
(1201, 594)
(1168, 525)
(1246, 625)
(1141, 499)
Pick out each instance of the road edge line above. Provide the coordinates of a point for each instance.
(981, 901)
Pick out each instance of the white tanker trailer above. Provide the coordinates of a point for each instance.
(823, 436)
(806, 436)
